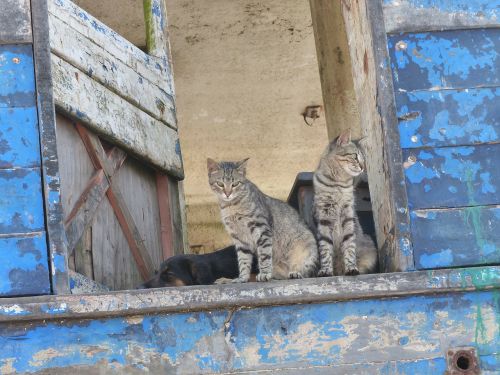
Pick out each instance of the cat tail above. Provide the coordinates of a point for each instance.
(367, 260)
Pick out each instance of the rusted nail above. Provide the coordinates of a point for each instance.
(414, 138)
(16, 60)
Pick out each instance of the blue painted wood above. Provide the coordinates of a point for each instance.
(410, 334)
(21, 205)
(483, 8)
(17, 84)
(19, 138)
(452, 176)
(24, 266)
(447, 59)
(451, 117)
(456, 237)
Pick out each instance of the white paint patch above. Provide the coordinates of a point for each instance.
(12, 310)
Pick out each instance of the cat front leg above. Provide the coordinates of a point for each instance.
(264, 255)
(325, 248)
(245, 258)
(348, 244)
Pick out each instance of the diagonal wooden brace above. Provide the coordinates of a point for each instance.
(109, 165)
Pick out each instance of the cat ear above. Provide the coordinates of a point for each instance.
(241, 166)
(212, 166)
(344, 138)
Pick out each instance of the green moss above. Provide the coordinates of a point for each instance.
(148, 19)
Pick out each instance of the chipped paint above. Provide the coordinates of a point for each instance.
(402, 330)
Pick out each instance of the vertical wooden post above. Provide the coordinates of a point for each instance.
(50, 165)
(172, 209)
(339, 98)
(165, 215)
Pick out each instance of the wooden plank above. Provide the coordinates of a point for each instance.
(21, 202)
(15, 22)
(452, 176)
(105, 113)
(375, 91)
(155, 16)
(424, 15)
(411, 331)
(456, 237)
(122, 212)
(19, 138)
(332, 49)
(17, 86)
(24, 269)
(78, 221)
(251, 295)
(450, 117)
(138, 188)
(165, 215)
(458, 59)
(154, 69)
(50, 164)
(98, 63)
(83, 255)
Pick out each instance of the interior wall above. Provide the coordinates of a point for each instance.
(244, 72)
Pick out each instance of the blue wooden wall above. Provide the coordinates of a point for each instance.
(447, 95)
(24, 266)
(408, 335)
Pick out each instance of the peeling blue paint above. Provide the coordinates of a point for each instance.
(449, 117)
(447, 59)
(327, 334)
(24, 266)
(17, 84)
(470, 173)
(439, 259)
(471, 233)
(487, 9)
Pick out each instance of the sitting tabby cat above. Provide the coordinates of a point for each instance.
(337, 224)
(261, 225)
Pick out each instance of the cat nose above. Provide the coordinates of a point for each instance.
(228, 193)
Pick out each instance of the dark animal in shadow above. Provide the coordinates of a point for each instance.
(193, 269)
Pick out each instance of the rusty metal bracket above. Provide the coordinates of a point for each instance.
(462, 361)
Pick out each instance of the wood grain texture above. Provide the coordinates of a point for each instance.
(424, 15)
(332, 49)
(456, 237)
(104, 112)
(250, 295)
(452, 176)
(384, 166)
(449, 117)
(101, 65)
(15, 22)
(156, 70)
(50, 164)
(166, 225)
(460, 59)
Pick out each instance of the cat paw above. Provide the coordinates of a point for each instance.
(325, 273)
(239, 280)
(263, 277)
(352, 272)
(295, 275)
(223, 280)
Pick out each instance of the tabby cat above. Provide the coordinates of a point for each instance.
(262, 226)
(338, 229)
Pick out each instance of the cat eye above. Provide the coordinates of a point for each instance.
(236, 183)
(220, 184)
